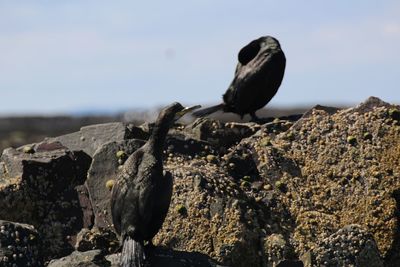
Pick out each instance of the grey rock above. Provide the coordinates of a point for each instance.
(92, 258)
(279, 252)
(41, 191)
(97, 238)
(92, 137)
(349, 246)
(369, 104)
(86, 206)
(328, 111)
(104, 168)
(220, 134)
(180, 144)
(2, 171)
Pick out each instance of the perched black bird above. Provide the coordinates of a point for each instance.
(142, 194)
(258, 76)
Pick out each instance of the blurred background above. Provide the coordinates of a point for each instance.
(64, 64)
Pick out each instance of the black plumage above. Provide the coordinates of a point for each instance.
(258, 75)
(142, 194)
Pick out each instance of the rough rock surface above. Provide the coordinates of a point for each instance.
(160, 258)
(41, 190)
(321, 191)
(92, 137)
(19, 245)
(349, 246)
(91, 258)
(97, 238)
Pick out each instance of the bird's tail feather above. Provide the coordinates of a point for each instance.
(207, 111)
(132, 253)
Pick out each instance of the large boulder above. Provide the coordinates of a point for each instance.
(331, 169)
(41, 187)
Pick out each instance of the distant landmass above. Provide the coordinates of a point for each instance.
(20, 129)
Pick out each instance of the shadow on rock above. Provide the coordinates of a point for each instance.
(161, 258)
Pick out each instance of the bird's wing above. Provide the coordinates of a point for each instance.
(252, 59)
(162, 199)
(250, 80)
(122, 186)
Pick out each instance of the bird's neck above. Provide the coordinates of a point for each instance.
(157, 138)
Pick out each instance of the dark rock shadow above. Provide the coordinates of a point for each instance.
(392, 258)
(164, 257)
(174, 258)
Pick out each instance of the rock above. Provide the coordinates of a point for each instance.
(350, 246)
(278, 251)
(318, 109)
(240, 163)
(220, 134)
(104, 167)
(170, 258)
(19, 245)
(369, 105)
(92, 137)
(244, 194)
(306, 259)
(329, 182)
(219, 219)
(41, 191)
(290, 263)
(183, 145)
(307, 234)
(92, 258)
(86, 206)
(97, 238)
(161, 258)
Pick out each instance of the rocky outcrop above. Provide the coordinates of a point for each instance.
(40, 188)
(319, 191)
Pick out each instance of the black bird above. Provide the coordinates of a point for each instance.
(258, 76)
(142, 194)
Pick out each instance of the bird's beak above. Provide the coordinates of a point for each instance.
(184, 111)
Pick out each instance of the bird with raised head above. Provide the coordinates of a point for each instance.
(142, 193)
(258, 75)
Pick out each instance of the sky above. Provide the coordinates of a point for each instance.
(80, 55)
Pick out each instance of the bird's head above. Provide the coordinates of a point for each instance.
(261, 46)
(174, 112)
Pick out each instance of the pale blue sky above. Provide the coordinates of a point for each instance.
(65, 56)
